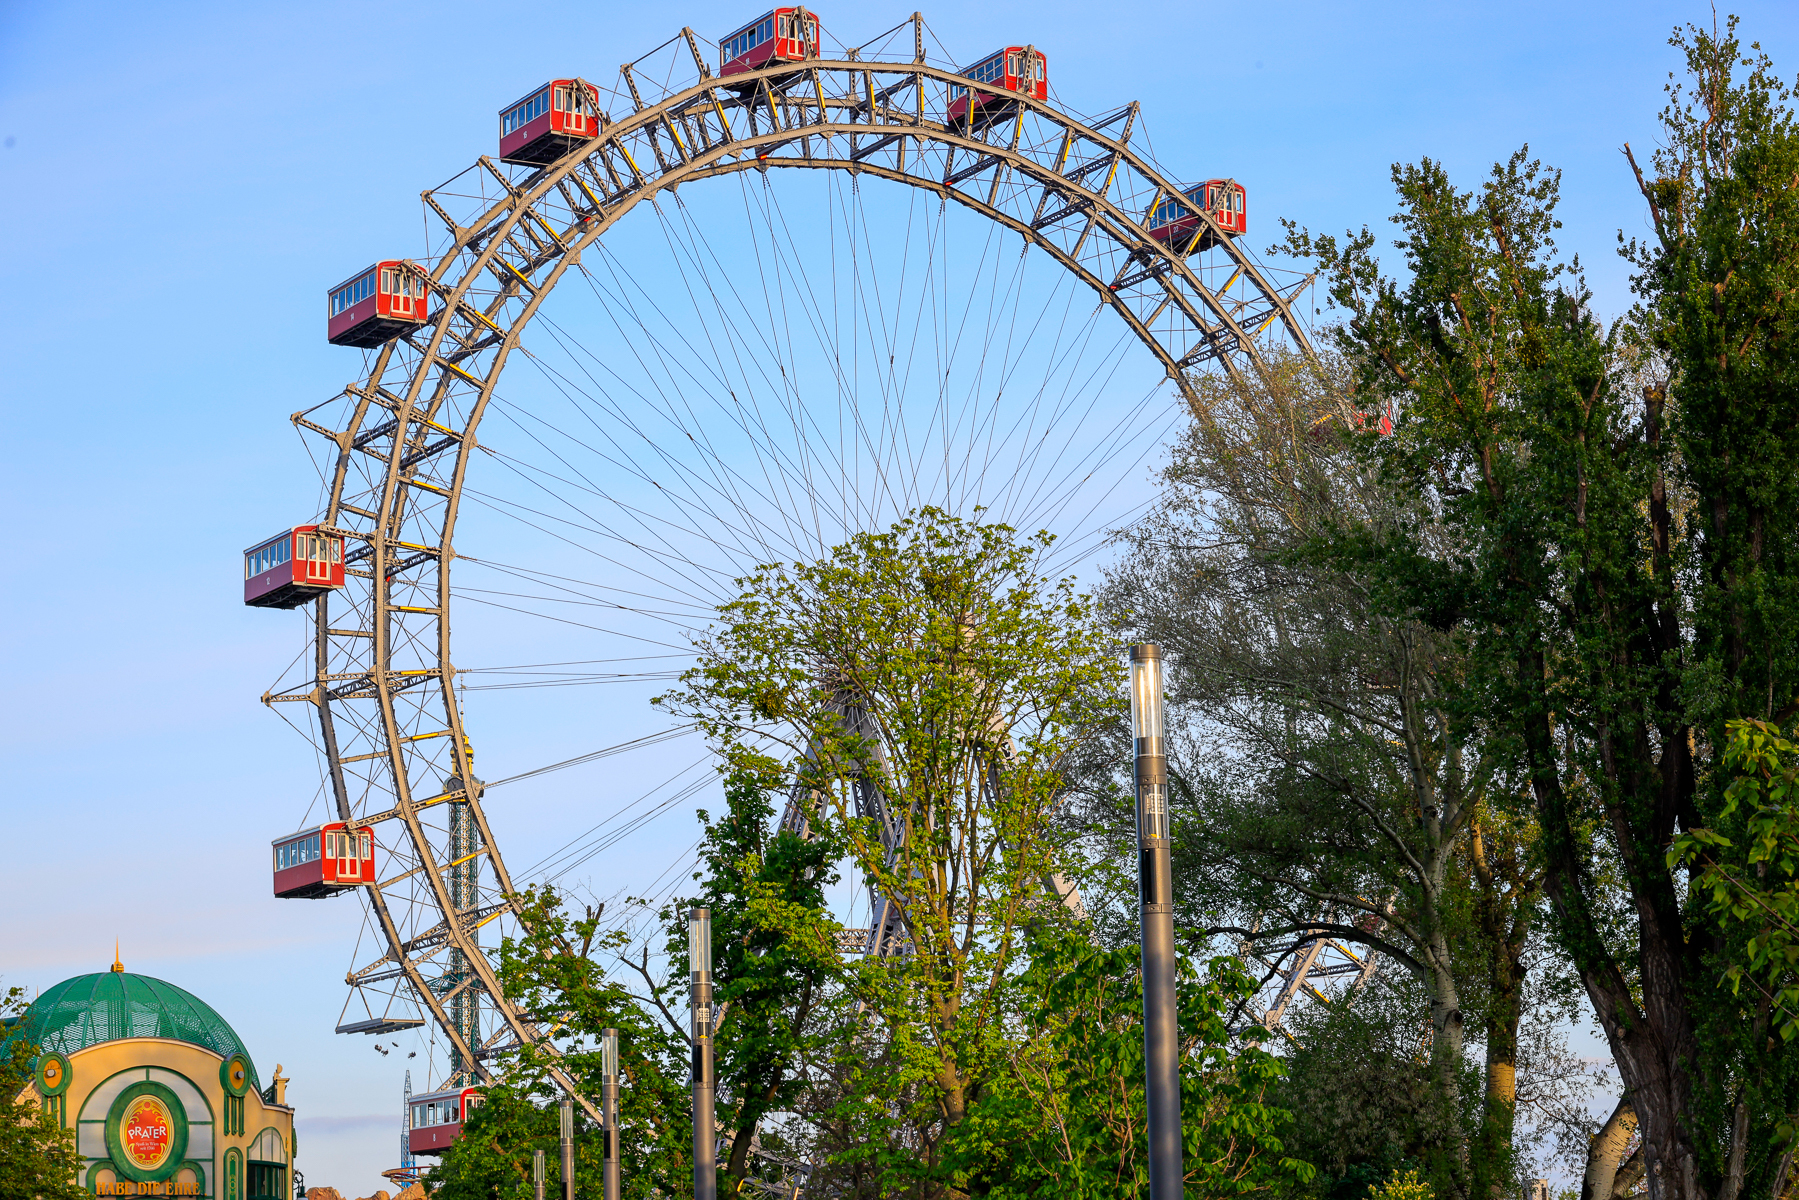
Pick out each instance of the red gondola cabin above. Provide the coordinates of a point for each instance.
(1021, 70)
(377, 305)
(785, 35)
(437, 1119)
(1175, 220)
(549, 122)
(323, 861)
(292, 567)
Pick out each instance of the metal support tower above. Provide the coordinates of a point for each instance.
(1312, 964)
(407, 1162)
(459, 981)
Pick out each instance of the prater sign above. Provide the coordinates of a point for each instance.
(147, 1134)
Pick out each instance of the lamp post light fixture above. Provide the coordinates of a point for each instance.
(609, 1108)
(705, 1137)
(537, 1174)
(568, 1149)
(1155, 888)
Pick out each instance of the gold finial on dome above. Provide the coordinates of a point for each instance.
(116, 964)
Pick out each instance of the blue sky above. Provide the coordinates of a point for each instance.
(182, 182)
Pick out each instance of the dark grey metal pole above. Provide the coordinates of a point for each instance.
(705, 1136)
(1155, 886)
(609, 1108)
(537, 1174)
(568, 1149)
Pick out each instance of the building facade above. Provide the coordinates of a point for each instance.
(162, 1095)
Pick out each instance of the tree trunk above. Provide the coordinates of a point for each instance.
(737, 1166)
(1652, 1045)
(1505, 927)
(1604, 1155)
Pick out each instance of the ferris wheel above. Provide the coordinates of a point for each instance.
(969, 296)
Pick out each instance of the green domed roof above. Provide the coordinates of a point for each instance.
(104, 1007)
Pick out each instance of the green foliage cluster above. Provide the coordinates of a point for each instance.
(1621, 553)
(922, 686)
(37, 1156)
(933, 668)
(1752, 872)
(1068, 1119)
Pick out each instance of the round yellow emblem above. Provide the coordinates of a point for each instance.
(147, 1133)
(52, 1073)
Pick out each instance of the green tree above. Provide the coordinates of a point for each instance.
(1066, 1120)
(777, 974)
(492, 1159)
(775, 968)
(37, 1156)
(1621, 516)
(1361, 801)
(1747, 862)
(557, 971)
(924, 686)
(1366, 1096)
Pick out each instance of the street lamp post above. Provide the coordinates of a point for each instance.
(1155, 886)
(705, 1139)
(609, 1108)
(568, 1149)
(537, 1174)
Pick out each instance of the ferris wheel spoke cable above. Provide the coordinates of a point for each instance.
(1042, 442)
(1009, 289)
(615, 302)
(680, 620)
(559, 859)
(1008, 371)
(693, 525)
(668, 556)
(827, 334)
(873, 318)
(1106, 449)
(577, 624)
(578, 662)
(688, 248)
(667, 559)
(551, 579)
(634, 925)
(781, 327)
(502, 509)
(670, 462)
(887, 375)
(568, 595)
(650, 739)
(567, 681)
(642, 518)
(601, 846)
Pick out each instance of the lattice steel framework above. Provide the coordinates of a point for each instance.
(405, 433)
(1310, 963)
